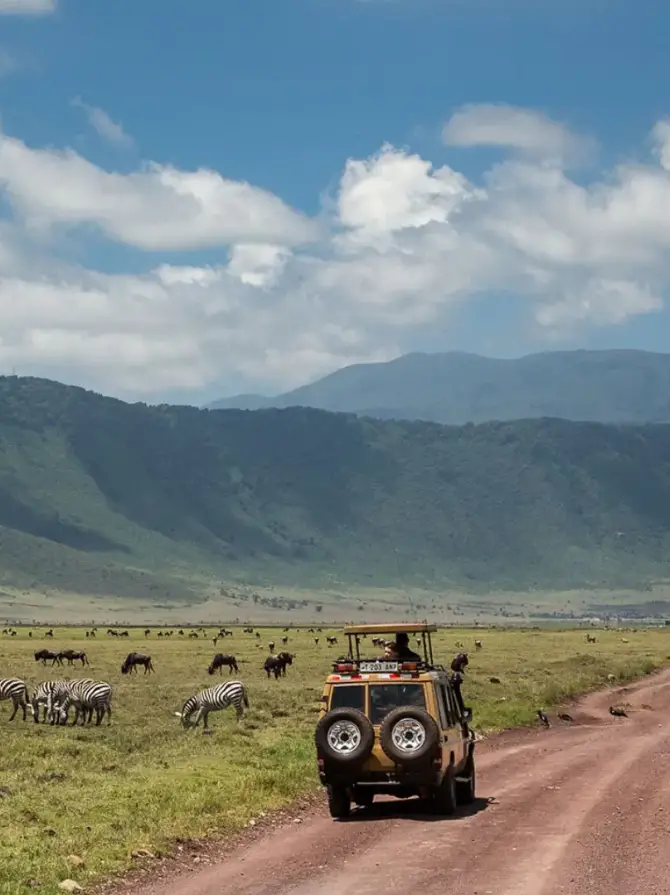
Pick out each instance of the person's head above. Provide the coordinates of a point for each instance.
(391, 651)
(402, 639)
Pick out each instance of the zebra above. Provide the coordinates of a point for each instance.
(86, 696)
(16, 690)
(51, 695)
(40, 697)
(213, 699)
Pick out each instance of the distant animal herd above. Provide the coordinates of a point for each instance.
(52, 700)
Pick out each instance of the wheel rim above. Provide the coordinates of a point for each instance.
(344, 737)
(408, 735)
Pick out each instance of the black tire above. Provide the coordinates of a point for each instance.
(339, 803)
(444, 800)
(366, 737)
(465, 791)
(419, 755)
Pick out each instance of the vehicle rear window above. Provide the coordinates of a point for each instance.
(351, 696)
(386, 697)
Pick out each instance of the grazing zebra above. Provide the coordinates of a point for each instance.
(40, 697)
(221, 659)
(16, 690)
(213, 699)
(52, 695)
(86, 697)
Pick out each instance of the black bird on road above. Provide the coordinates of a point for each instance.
(544, 718)
(618, 713)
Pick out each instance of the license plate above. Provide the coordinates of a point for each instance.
(378, 666)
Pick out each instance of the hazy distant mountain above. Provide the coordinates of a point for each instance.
(457, 388)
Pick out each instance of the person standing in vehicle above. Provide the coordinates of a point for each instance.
(403, 650)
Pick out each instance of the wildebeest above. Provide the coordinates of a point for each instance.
(221, 659)
(331, 641)
(43, 654)
(73, 655)
(132, 660)
(277, 665)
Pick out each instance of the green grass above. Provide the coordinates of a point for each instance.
(144, 782)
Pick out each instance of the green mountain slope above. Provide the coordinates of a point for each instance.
(99, 496)
(456, 388)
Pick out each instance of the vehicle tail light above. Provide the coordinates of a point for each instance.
(345, 667)
(409, 666)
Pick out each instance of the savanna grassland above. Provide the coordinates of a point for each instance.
(102, 793)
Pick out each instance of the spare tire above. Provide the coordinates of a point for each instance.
(409, 735)
(344, 736)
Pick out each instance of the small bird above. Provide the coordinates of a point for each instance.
(618, 713)
(564, 716)
(544, 718)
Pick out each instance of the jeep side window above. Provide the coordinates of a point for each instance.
(453, 704)
(350, 696)
(442, 707)
(446, 704)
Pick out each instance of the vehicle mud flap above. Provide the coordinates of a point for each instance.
(344, 737)
(466, 784)
(409, 736)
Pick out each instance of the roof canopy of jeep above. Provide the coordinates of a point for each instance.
(354, 633)
(387, 628)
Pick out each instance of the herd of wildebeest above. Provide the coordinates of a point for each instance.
(56, 697)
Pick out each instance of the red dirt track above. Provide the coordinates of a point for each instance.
(576, 809)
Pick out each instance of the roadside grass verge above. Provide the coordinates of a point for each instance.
(102, 793)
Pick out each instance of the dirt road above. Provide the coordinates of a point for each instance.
(575, 809)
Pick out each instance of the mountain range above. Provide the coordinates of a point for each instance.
(102, 497)
(456, 388)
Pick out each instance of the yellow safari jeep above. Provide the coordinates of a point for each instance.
(393, 727)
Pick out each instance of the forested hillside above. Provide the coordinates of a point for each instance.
(99, 496)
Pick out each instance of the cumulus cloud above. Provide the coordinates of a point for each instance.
(157, 208)
(401, 245)
(525, 130)
(110, 130)
(27, 7)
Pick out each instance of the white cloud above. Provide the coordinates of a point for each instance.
(156, 208)
(403, 243)
(27, 7)
(104, 126)
(510, 126)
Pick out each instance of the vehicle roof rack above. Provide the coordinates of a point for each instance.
(389, 628)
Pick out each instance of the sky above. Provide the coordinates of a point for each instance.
(205, 198)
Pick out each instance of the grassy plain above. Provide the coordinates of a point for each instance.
(101, 793)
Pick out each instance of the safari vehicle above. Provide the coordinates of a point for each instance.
(393, 727)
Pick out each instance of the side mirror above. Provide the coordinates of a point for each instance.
(467, 714)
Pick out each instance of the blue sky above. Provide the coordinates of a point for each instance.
(165, 282)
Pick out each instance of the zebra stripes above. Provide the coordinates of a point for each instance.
(214, 699)
(41, 697)
(86, 696)
(16, 690)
